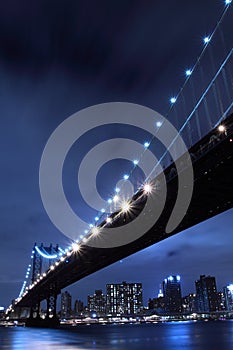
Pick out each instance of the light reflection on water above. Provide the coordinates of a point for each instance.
(166, 336)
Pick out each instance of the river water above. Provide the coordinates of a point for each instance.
(165, 336)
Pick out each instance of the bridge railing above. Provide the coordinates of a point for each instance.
(206, 98)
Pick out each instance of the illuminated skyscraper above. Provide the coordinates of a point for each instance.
(189, 303)
(160, 293)
(97, 302)
(78, 307)
(228, 296)
(66, 310)
(124, 298)
(172, 294)
(207, 298)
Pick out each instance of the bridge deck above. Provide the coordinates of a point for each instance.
(213, 184)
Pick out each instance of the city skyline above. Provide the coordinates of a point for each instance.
(85, 300)
(126, 298)
(40, 88)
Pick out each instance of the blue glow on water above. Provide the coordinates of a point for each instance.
(165, 336)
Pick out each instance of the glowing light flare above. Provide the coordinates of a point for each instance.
(146, 144)
(126, 176)
(173, 99)
(147, 188)
(125, 207)
(221, 128)
(75, 247)
(135, 161)
(95, 231)
(206, 39)
(188, 72)
(109, 220)
(115, 198)
(227, 2)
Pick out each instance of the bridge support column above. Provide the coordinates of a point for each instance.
(51, 320)
(51, 311)
(35, 311)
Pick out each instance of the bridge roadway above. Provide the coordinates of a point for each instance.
(212, 195)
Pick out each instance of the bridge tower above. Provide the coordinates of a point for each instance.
(43, 256)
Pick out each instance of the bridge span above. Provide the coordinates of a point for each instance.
(212, 159)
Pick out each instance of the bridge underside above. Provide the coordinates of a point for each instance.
(212, 195)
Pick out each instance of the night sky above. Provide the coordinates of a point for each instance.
(58, 57)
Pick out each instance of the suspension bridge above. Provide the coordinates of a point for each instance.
(202, 113)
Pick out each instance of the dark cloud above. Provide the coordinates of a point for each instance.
(172, 253)
(128, 44)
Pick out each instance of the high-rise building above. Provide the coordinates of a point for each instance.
(160, 293)
(66, 310)
(124, 298)
(157, 304)
(221, 301)
(97, 302)
(172, 294)
(2, 312)
(228, 297)
(189, 303)
(78, 307)
(207, 298)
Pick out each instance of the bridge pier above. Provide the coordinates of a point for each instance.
(51, 320)
(51, 306)
(35, 310)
